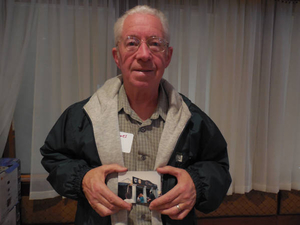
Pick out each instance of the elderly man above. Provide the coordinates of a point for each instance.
(83, 152)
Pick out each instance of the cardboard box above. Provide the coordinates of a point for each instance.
(11, 218)
(10, 186)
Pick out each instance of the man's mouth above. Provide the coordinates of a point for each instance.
(143, 71)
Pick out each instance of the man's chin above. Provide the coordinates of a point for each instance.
(143, 80)
(141, 84)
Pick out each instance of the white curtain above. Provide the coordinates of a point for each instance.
(236, 59)
(70, 58)
(15, 30)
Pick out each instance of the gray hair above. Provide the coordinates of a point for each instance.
(141, 9)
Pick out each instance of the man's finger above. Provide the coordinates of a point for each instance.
(183, 194)
(169, 170)
(165, 201)
(175, 212)
(107, 198)
(113, 168)
(111, 200)
(104, 211)
(98, 194)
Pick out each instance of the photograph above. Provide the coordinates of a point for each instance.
(140, 187)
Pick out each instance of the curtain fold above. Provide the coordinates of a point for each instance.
(289, 172)
(237, 60)
(16, 25)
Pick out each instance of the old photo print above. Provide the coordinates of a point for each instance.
(139, 187)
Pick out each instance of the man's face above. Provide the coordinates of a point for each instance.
(142, 68)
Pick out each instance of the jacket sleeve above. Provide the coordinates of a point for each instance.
(210, 170)
(207, 161)
(63, 154)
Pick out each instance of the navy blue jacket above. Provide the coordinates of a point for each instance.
(70, 152)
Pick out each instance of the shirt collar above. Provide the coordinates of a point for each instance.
(161, 109)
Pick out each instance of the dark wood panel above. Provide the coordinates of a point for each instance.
(289, 220)
(269, 220)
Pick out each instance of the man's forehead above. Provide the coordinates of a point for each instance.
(142, 25)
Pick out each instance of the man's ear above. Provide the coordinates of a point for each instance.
(169, 56)
(116, 55)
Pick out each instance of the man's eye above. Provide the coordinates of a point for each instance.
(155, 43)
(131, 43)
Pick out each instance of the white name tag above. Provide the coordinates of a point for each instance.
(126, 141)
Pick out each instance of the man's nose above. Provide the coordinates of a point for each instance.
(143, 52)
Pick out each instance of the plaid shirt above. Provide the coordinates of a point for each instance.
(145, 144)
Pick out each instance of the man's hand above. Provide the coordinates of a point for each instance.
(103, 200)
(179, 201)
